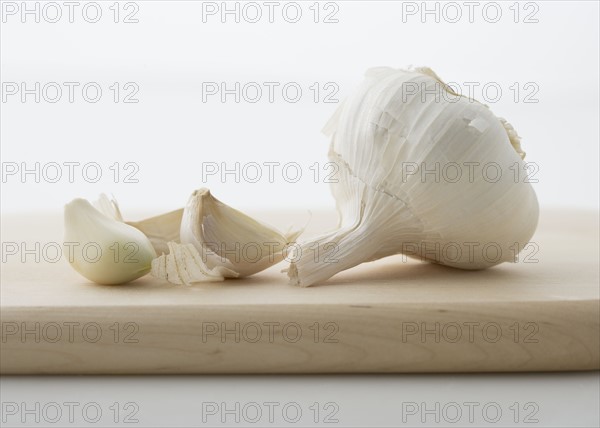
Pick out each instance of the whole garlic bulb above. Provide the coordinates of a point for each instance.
(388, 140)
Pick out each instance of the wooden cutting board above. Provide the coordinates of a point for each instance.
(391, 315)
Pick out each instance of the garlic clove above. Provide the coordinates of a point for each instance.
(229, 238)
(103, 249)
(183, 264)
(392, 124)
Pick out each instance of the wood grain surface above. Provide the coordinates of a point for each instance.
(393, 315)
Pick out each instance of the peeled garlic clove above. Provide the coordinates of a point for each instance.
(229, 238)
(183, 264)
(102, 249)
(384, 139)
(161, 229)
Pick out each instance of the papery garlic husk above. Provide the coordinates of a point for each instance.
(104, 249)
(183, 264)
(378, 136)
(160, 229)
(229, 238)
(108, 206)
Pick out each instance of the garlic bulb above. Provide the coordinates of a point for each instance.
(102, 248)
(423, 172)
(229, 238)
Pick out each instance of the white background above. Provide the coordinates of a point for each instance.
(170, 132)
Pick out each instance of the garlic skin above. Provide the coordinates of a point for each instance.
(228, 238)
(385, 130)
(108, 206)
(161, 229)
(116, 252)
(183, 264)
